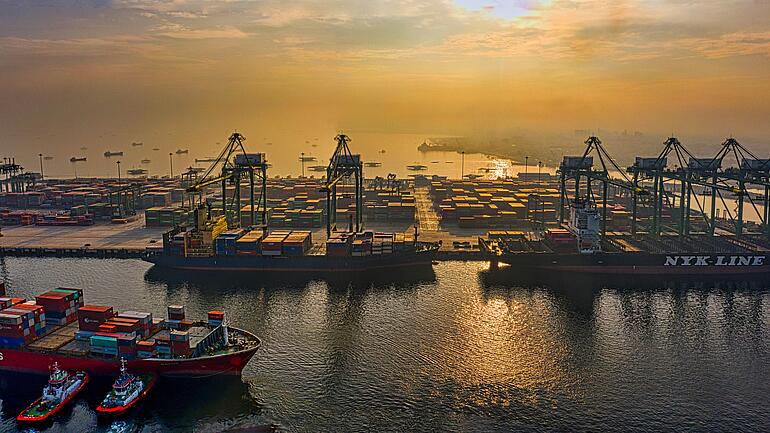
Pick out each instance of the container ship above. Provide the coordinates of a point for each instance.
(58, 327)
(209, 246)
(580, 248)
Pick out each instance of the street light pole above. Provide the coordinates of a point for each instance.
(171, 163)
(118, 162)
(462, 165)
(302, 160)
(526, 166)
(40, 155)
(539, 194)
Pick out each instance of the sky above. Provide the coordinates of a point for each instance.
(75, 72)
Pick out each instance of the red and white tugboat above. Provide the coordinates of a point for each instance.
(126, 392)
(62, 387)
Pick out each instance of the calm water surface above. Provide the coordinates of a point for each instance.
(457, 349)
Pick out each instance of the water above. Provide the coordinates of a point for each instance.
(282, 151)
(458, 349)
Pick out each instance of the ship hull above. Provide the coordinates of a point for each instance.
(28, 361)
(684, 264)
(308, 263)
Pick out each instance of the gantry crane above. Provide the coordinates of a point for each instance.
(709, 174)
(575, 167)
(342, 165)
(231, 166)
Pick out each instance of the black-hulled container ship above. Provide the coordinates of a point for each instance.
(580, 249)
(209, 246)
(94, 339)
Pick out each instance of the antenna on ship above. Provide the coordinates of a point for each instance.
(225, 336)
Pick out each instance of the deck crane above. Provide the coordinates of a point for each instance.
(232, 165)
(342, 165)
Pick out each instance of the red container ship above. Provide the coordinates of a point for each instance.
(94, 338)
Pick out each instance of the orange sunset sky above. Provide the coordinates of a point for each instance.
(72, 70)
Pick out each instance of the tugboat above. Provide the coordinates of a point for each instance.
(61, 389)
(126, 392)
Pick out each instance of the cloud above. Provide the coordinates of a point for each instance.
(182, 32)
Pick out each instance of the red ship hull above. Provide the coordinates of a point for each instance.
(28, 361)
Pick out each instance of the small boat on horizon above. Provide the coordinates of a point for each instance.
(61, 389)
(182, 151)
(373, 164)
(146, 161)
(308, 158)
(78, 159)
(317, 168)
(416, 167)
(137, 143)
(48, 158)
(109, 154)
(199, 160)
(137, 171)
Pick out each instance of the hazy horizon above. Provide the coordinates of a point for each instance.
(186, 73)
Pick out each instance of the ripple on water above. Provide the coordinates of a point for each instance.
(459, 349)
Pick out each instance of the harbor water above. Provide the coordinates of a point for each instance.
(458, 348)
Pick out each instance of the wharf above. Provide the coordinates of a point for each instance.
(130, 240)
(100, 240)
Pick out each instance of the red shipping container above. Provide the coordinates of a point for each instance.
(104, 327)
(145, 345)
(216, 315)
(52, 303)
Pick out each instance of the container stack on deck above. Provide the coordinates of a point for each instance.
(61, 305)
(20, 322)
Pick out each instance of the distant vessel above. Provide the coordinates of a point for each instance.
(145, 161)
(472, 176)
(48, 158)
(373, 164)
(136, 144)
(108, 154)
(83, 148)
(382, 151)
(78, 159)
(155, 149)
(416, 167)
(199, 160)
(429, 146)
(318, 168)
(137, 171)
(62, 387)
(308, 158)
(182, 151)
